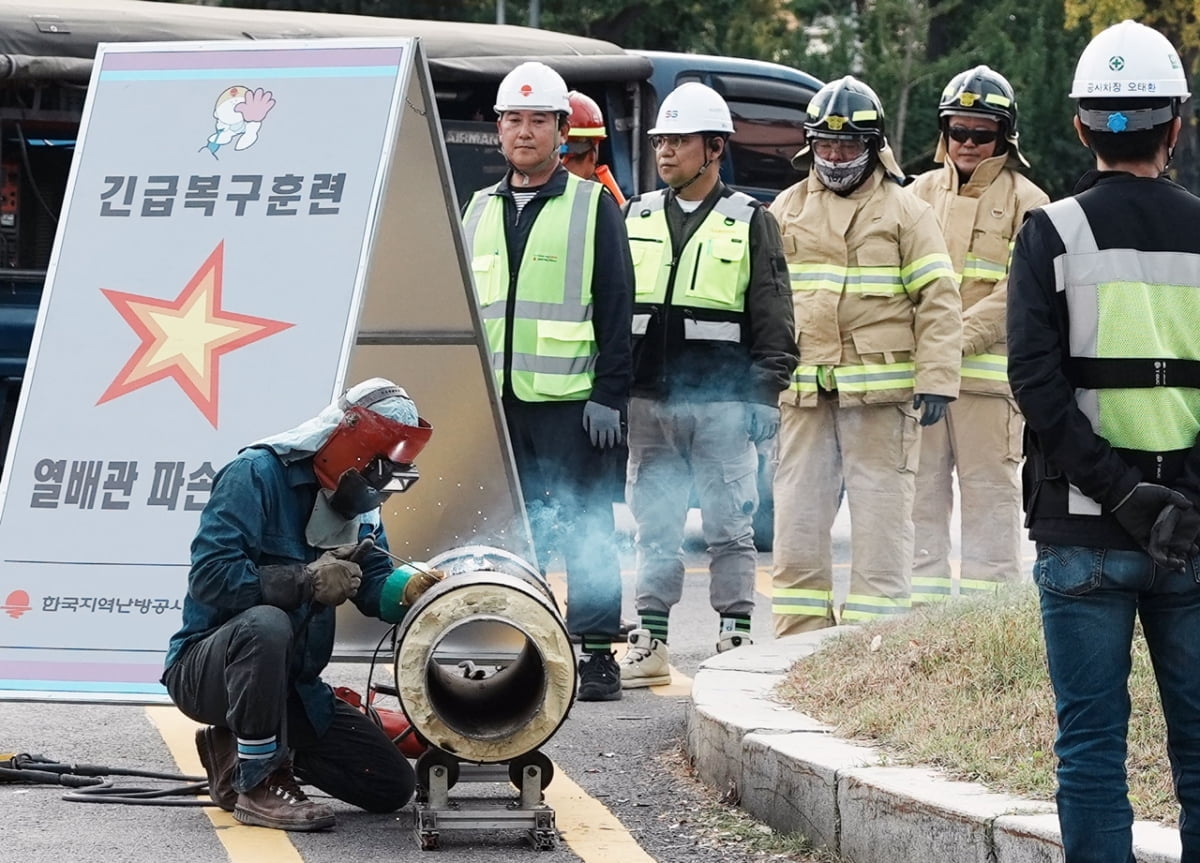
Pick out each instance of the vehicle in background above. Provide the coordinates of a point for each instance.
(46, 52)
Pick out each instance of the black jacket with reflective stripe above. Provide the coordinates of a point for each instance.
(1061, 448)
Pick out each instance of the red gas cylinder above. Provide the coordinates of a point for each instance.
(393, 722)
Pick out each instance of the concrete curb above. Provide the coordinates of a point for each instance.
(790, 772)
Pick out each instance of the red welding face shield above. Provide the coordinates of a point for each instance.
(368, 458)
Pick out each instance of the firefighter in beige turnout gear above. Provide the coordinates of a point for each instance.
(879, 330)
(980, 199)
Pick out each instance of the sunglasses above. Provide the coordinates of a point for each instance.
(982, 137)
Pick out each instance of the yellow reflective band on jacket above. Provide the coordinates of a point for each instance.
(924, 270)
(811, 603)
(713, 269)
(988, 367)
(553, 340)
(871, 280)
(860, 606)
(854, 379)
(850, 280)
(1130, 304)
(975, 267)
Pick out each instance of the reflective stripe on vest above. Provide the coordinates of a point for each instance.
(712, 272)
(553, 340)
(1132, 315)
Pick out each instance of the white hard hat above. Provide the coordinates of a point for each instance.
(693, 107)
(532, 86)
(1129, 61)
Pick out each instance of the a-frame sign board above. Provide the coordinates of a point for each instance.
(247, 229)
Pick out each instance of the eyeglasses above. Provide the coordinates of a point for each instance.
(981, 137)
(850, 148)
(672, 141)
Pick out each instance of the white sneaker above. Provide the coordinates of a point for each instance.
(645, 663)
(730, 640)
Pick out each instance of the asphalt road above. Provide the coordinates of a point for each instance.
(618, 792)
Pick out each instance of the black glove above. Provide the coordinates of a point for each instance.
(287, 585)
(334, 578)
(1141, 508)
(762, 421)
(603, 424)
(1173, 536)
(934, 407)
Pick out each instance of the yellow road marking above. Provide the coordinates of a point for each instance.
(588, 827)
(242, 843)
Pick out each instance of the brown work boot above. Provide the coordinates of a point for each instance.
(280, 803)
(218, 754)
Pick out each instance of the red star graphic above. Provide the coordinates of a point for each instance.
(185, 338)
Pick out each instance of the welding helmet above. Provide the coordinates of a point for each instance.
(371, 453)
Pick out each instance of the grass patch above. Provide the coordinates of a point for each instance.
(963, 686)
(714, 824)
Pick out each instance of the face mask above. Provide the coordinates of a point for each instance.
(355, 496)
(843, 177)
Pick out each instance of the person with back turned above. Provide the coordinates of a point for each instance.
(1104, 362)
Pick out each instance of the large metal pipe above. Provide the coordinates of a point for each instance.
(484, 667)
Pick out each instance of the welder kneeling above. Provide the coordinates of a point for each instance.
(290, 532)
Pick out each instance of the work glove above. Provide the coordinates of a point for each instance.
(934, 407)
(1174, 536)
(335, 578)
(603, 424)
(1138, 512)
(762, 421)
(419, 582)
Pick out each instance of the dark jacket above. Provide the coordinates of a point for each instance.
(612, 287)
(255, 517)
(665, 365)
(1061, 448)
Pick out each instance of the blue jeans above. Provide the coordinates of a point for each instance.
(1089, 597)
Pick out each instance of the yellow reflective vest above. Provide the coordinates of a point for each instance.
(712, 272)
(553, 351)
(878, 315)
(979, 221)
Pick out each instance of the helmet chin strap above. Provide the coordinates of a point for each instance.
(707, 161)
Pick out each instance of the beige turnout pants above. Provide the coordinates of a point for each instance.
(981, 440)
(873, 450)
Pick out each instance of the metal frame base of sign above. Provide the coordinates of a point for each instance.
(436, 813)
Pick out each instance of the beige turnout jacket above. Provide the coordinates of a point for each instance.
(979, 221)
(878, 315)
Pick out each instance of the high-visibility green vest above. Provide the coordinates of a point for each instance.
(552, 352)
(1133, 342)
(711, 275)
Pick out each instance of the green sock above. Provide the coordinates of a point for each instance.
(656, 623)
(597, 644)
(739, 623)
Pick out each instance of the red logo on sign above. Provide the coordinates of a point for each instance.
(16, 604)
(526, 90)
